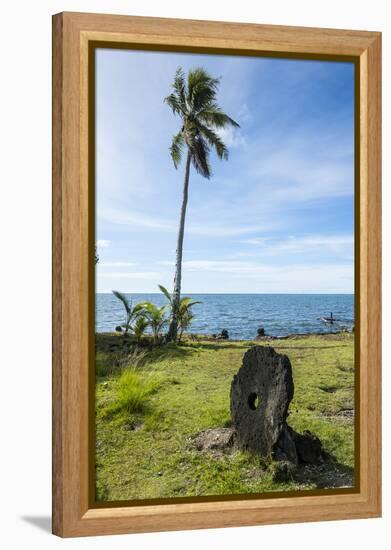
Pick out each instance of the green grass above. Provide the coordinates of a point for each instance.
(131, 392)
(148, 409)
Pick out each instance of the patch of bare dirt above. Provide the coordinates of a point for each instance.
(327, 475)
(215, 440)
(345, 416)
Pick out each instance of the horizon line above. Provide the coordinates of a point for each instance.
(248, 293)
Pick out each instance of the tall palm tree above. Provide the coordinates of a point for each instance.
(194, 101)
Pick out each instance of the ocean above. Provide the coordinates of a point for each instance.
(242, 314)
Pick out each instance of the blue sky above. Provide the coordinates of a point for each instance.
(277, 217)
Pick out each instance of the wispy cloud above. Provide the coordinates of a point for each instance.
(143, 275)
(118, 216)
(244, 115)
(256, 241)
(305, 243)
(223, 230)
(246, 276)
(118, 264)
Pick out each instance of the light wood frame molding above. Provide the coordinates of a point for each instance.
(73, 514)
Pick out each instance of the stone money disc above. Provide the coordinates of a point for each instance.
(260, 395)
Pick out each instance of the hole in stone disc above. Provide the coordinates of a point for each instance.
(253, 401)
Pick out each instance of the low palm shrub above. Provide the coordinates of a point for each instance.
(139, 327)
(132, 312)
(156, 318)
(185, 314)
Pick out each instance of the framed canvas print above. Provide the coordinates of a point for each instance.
(216, 274)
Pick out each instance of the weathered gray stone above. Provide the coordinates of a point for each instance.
(260, 397)
(285, 448)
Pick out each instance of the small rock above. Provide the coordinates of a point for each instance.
(284, 471)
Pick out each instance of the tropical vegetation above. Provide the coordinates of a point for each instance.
(132, 312)
(147, 315)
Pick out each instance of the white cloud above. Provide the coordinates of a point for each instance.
(232, 137)
(103, 243)
(164, 262)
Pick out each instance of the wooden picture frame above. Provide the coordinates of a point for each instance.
(74, 513)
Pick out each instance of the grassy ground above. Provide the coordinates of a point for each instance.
(150, 403)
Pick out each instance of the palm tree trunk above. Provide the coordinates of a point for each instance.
(176, 295)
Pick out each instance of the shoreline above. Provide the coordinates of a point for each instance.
(267, 337)
(210, 338)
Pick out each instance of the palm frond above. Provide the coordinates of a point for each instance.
(179, 85)
(127, 304)
(140, 326)
(177, 99)
(141, 322)
(201, 87)
(138, 309)
(200, 156)
(153, 311)
(214, 116)
(165, 292)
(176, 149)
(187, 302)
(173, 101)
(215, 141)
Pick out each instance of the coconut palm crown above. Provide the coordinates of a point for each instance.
(194, 101)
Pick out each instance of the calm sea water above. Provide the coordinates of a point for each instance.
(242, 314)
